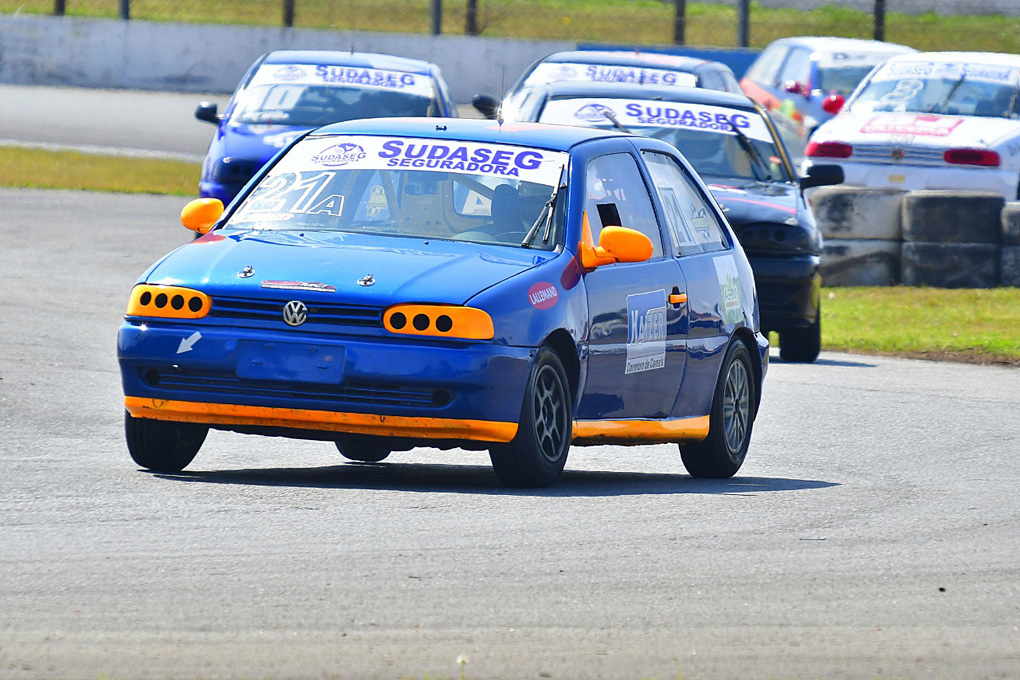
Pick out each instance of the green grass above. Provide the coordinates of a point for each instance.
(631, 22)
(36, 169)
(980, 326)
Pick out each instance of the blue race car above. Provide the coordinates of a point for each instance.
(287, 93)
(393, 283)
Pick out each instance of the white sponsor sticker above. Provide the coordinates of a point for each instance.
(646, 331)
(729, 289)
(349, 76)
(991, 73)
(357, 152)
(607, 73)
(635, 113)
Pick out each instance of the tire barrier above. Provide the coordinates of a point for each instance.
(1010, 262)
(943, 239)
(862, 232)
(951, 239)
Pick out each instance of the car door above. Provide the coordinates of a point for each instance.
(636, 345)
(716, 297)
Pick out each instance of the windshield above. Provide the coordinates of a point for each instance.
(311, 96)
(466, 191)
(954, 89)
(841, 79)
(704, 134)
(315, 106)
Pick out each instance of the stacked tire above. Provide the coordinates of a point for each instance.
(862, 231)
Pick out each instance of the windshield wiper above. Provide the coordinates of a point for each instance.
(546, 215)
(949, 95)
(612, 119)
(748, 146)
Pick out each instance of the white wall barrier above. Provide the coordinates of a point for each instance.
(943, 239)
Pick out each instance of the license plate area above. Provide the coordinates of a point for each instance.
(289, 362)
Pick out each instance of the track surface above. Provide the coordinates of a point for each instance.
(872, 532)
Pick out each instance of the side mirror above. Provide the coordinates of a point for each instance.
(486, 105)
(207, 111)
(821, 175)
(201, 214)
(617, 244)
(833, 104)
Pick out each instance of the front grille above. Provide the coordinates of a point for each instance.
(318, 312)
(888, 153)
(323, 394)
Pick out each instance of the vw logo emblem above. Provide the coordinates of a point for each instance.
(898, 153)
(295, 313)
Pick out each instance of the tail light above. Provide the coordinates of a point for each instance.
(983, 157)
(828, 150)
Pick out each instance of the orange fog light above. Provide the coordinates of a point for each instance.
(440, 321)
(171, 302)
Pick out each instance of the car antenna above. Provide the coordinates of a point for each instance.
(502, 95)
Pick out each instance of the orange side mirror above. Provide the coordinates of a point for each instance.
(201, 214)
(625, 245)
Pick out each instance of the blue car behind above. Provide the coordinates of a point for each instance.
(287, 93)
(392, 283)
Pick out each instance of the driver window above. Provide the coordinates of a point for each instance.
(616, 195)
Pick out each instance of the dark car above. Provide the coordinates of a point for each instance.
(733, 145)
(393, 283)
(644, 69)
(287, 93)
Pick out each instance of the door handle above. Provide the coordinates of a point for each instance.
(677, 298)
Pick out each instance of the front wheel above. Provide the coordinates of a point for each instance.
(721, 454)
(801, 345)
(538, 452)
(361, 448)
(162, 446)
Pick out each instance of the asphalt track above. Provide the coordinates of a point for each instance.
(872, 533)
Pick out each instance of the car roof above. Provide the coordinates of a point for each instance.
(359, 59)
(995, 58)
(551, 137)
(632, 58)
(687, 95)
(856, 45)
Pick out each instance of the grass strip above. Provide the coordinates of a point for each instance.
(636, 22)
(42, 169)
(972, 325)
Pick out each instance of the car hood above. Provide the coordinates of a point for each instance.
(329, 266)
(916, 129)
(257, 143)
(746, 201)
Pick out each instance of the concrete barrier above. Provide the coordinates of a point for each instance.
(951, 239)
(862, 231)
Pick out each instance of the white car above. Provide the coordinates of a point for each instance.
(936, 120)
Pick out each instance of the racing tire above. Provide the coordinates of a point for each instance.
(801, 345)
(722, 452)
(362, 449)
(536, 455)
(162, 446)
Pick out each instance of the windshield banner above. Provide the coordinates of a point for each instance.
(600, 73)
(634, 113)
(350, 76)
(405, 153)
(989, 73)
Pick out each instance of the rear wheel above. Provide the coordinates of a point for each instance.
(721, 454)
(538, 452)
(162, 446)
(801, 345)
(361, 448)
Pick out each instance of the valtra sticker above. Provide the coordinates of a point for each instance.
(646, 331)
(543, 295)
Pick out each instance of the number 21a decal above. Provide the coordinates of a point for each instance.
(287, 193)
